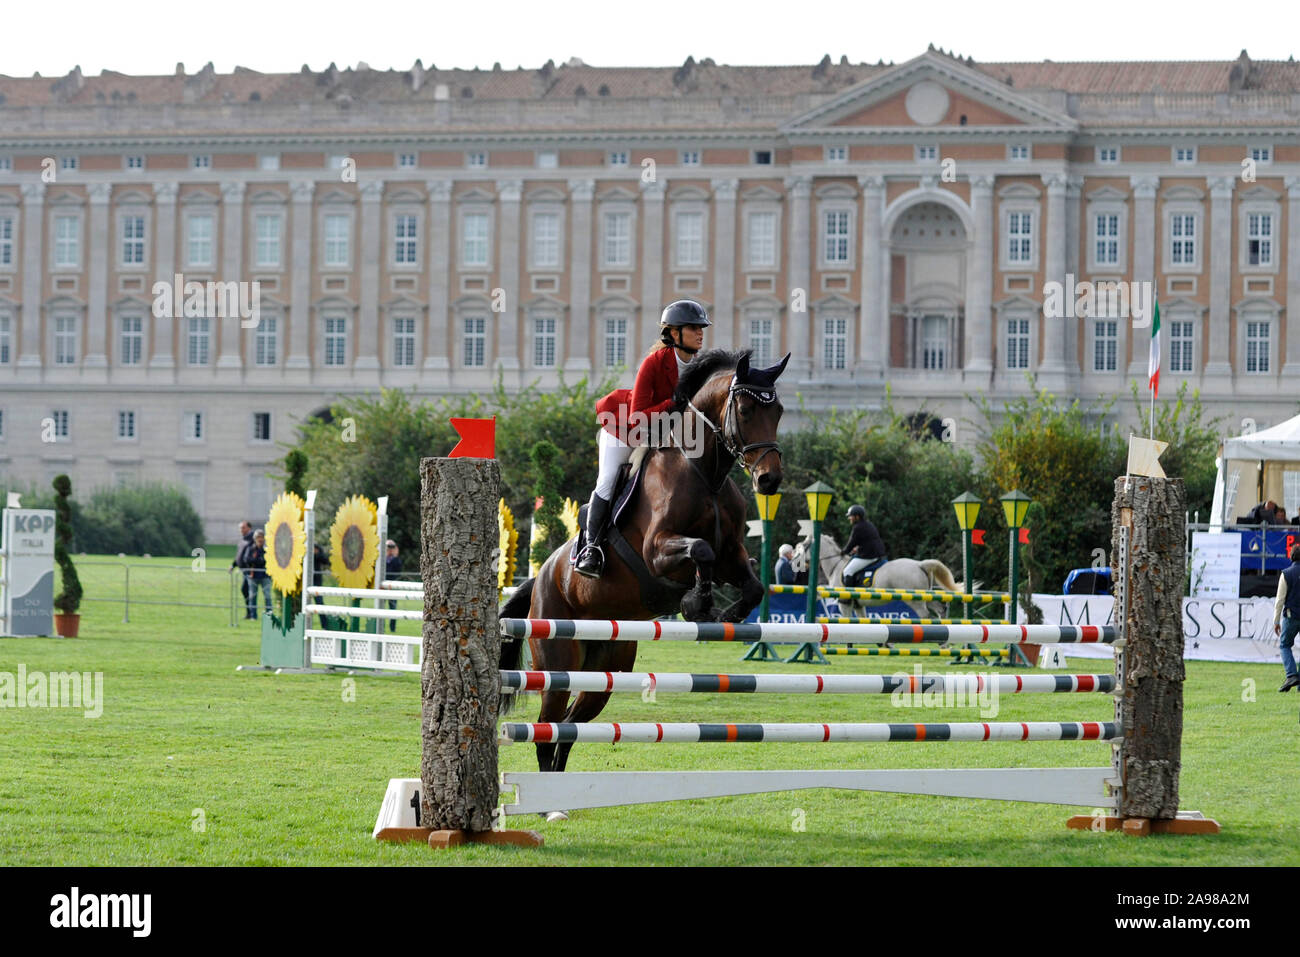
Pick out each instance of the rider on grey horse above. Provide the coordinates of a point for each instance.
(864, 545)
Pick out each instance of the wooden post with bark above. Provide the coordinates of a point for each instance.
(460, 682)
(1148, 568)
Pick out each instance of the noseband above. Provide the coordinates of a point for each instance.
(728, 435)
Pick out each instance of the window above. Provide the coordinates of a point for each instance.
(135, 162)
(1182, 239)
(837, 154)
(132, 240)
(199, 240)
(1258, 356)
(407, 161)
(547, 159)
(6, 241)
(690, 157)
(836, 232)
(337, 227)
(264, 343)
(761, 331)
(476, 160)
(336, 346)
(266, 246)
(1106, 239)
(762, 157)
(1018, 343)
(474, 239)
(1020, 238)
(262, 427)
(1184, 155)
(544, 342)
(1259, 239)
(405, 245)
(268, 161)
(1182, 338)
(67, 241)
(617, 246)
(201, 161)
(5, 339)
(934, 342)
(199, 340)
(69, 163)
(615, 341)
(259, 494)
(2, 424)
(1261, 154)
(132, 340)
(1018, 152)
(835, 342)
(124, 477)
(1105, 345)
(1108, 155)
(475, 342)
(337, 161)
(617, 158)
(192, 427)
(126, 425)
(6, 164)
(690, 239)
(927, 154)
(193, 482)
(546, 240)
(65, 340)
(61, 428)
(404, 341)
(760, 239)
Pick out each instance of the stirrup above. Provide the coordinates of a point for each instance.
(591, 561)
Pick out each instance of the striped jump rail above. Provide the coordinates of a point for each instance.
(884, 594)
(673, 683)
(648, 733)
(393, 594)
(922, 652)
(851, 620)
(796, 632)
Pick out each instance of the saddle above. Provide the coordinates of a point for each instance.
(860, 579)
(626, 486)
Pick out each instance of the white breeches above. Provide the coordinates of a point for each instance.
(856, 565)
(613, 454)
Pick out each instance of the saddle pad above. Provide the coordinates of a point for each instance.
(629, 482)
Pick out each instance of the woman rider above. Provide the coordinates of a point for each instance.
(681, 330)
(864, 545)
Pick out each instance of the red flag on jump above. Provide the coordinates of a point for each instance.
(477, 438)
(1024, 535)
(977, 536)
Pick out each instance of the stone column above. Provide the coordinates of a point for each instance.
(873, 327)
(1219, 361)
(98, 240)
(1073, 218)
(230, 328)
(1144, 266)
(580, 318)
(1052, 368)
(978, 369)
(799, 279)
(506, 335)
(652, 251)
(1292, 362)
(33, 226)
(372, 231)
(435, 343)
(163, 355)
(724, 263)
(297, 356)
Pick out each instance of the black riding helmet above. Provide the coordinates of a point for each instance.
(857, 510)
(683, 312)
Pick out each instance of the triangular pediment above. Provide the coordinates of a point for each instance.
(932, 92)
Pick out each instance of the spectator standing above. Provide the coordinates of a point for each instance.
(1286, 616)
(392, 568)
(245, 539)
(258, 578)
(784, 571)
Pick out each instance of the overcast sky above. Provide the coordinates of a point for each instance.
(151, 36)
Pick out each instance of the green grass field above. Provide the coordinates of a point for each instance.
(284, 770)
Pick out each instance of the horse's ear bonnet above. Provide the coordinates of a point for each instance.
(760, 383)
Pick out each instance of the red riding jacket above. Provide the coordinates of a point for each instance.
(652, 393)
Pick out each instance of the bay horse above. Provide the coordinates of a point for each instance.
(686, 523)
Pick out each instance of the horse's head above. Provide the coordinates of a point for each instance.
(753, 414)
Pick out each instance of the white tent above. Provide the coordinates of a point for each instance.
(1256, 467)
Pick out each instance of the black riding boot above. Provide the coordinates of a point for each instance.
(592, 560)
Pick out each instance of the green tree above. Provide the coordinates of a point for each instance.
(295, 467)
(68, 600)
(548, 476)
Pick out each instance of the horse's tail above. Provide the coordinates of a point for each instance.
(940, 573)
(516, 606)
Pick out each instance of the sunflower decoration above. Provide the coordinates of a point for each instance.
(508, 543)
(354, 543)
(287, 543)
(569, 515)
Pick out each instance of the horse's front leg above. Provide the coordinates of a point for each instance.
(739, 571)
(674, 552)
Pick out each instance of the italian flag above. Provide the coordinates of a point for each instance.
(1153, 363)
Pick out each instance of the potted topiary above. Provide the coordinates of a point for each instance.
(66, 602)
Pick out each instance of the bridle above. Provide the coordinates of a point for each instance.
(728, 434)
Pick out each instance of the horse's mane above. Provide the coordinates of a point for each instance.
(704, 366)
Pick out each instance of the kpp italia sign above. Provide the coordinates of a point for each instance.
(27, 574)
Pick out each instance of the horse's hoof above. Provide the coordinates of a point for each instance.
(553, 816)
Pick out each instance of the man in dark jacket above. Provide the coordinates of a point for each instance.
(258, 579)
(392, 567)
(784, 567)
(245, 539)
(1286, 616)
(864, 545)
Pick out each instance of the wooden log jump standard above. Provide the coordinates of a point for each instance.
(462, 649)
